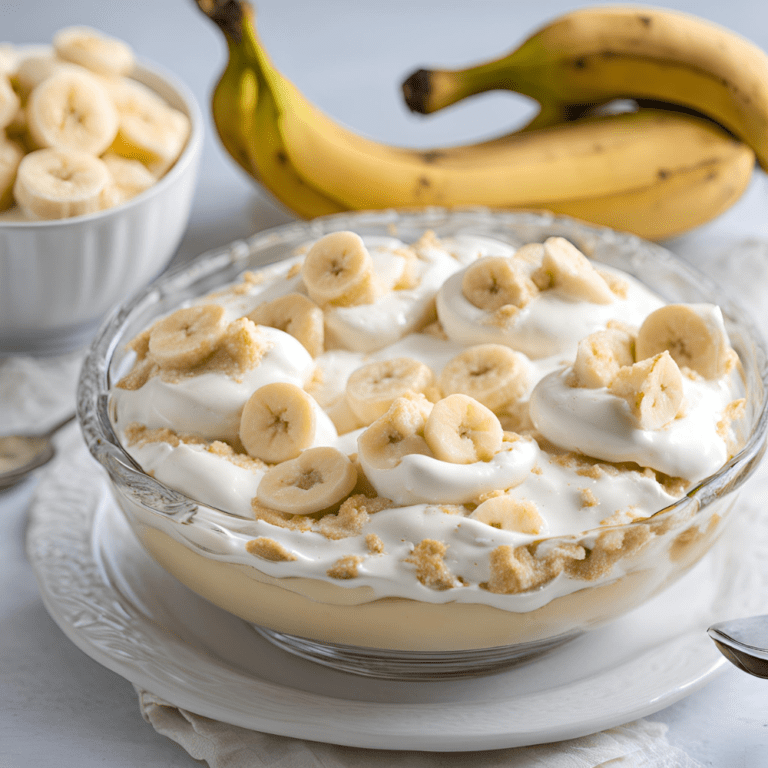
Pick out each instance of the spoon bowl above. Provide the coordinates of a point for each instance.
(744, 642)
(22, 454)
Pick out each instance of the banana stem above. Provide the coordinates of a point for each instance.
(430, 90)
(227, 14)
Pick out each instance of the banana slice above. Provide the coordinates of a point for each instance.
(297, 315)
(128, 178)
(150, 130)
(187, 336)
(496, 281)
(492, 374)
(600, 355)
(372, 388)
(278, 422)
(530, 254)
(510, 514)
(58, 183)
(71, 110)
(94, 50)
(9, 102)
(694, 334)
(399, 432)
(567, 270)
(9, 59)
(32, 70)
(461, 430)
(17, 131)
(316, 479)
(11, 155)
(338, 270)
(653, 388)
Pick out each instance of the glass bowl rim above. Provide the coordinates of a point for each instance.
(93, 386)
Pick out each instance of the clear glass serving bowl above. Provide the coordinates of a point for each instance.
(395, 637)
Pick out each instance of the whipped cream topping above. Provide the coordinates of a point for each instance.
(209, 405)
(571, 496)
(422, 479)
(192, 467)
(596, 423)
(369, 327)
(551, 324)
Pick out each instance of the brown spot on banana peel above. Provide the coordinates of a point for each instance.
(583, 63)
(686, 198)
(433, 156)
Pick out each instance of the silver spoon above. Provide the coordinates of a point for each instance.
(744, 642)
(21, 454)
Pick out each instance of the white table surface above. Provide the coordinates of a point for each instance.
(57, 706)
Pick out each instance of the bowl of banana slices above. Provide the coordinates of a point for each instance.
(425, 444)
(98, 165)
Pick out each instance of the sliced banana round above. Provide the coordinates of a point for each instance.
(150, 130)
(653, 388)
(33, 69)
(71, 110)
(338, 270)
(297, 315)
(9, 102)
(510, 514)
(11, 155)
(493, 282)
(372, 388)
(94, 50)
(399, 432)
(58, 183)
(128, 178)
(461, 430)
(316, 479)
(188, 336)
(9, 59)
(278, 422)
(492, 374)
(600, 355)
(17, 131)
(566, 269)
(694, 334)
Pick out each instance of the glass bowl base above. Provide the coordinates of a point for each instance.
(412, 665)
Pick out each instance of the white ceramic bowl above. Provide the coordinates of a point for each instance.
(59, 278)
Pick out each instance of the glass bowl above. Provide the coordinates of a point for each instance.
(375, 630)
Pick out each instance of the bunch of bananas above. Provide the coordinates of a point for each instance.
(680, 159)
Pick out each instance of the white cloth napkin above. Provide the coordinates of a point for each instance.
(641, 744)
(37, 392)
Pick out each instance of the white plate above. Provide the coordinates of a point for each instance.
(123, 610)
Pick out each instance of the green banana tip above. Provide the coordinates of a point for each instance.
(417, 88)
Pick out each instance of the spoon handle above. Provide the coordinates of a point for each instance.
(63, 423)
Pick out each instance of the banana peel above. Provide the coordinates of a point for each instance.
(612, 169)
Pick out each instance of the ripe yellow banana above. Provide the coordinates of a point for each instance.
(592, 56)
(245, 111)
(653, 172)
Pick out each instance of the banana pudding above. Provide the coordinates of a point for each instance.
(372, 450)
